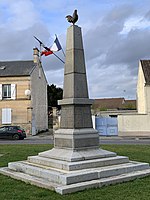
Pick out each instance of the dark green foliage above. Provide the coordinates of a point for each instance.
(54, 94)
(129, 106)
(103, 109)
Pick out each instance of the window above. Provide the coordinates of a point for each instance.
(3, 129)
(6, 91)
(6, 115)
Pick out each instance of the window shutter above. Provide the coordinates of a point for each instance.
(6, 115)
(13, 91)
(1, 92)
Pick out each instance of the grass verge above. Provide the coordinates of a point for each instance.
(11, 189)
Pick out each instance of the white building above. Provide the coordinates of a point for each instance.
(138, 124)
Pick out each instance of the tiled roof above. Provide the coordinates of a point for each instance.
(113, 104)
(146, 70)
(16, 68)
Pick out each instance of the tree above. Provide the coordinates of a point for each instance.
(54, 94)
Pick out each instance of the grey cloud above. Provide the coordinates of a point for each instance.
(128, 50)
(147, 15)
(109, 82)
(119, 14)
(100, 39)
(111, 54)
(117, 49)
(19, 44)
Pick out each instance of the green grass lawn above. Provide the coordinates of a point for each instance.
(11, 189)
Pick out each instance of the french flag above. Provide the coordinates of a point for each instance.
(56, 46)
(46, 52)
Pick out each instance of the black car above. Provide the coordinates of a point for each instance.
(12, 132)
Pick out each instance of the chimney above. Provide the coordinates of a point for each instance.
(36, 55)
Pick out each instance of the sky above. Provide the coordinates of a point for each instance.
(116, 35)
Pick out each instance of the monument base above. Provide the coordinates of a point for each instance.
(75, 176)
(76, 145)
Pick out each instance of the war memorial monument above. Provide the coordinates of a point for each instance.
(76, 162)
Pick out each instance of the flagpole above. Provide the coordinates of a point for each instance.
(40, 52)
(59, 58)
(61, 48)
(42, 45)
(63, 52)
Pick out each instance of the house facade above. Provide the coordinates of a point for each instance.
(138, 124)
(23, 94)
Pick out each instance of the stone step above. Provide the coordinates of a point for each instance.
(36, 170)
(66, 189)
(71, 166)
(65, 178)
(102, 182)
(104, 172)
(40, 182)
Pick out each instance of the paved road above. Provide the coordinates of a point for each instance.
(28, 141)
(103, 140)
(125, 141)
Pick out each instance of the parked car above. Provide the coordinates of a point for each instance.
(12, 132)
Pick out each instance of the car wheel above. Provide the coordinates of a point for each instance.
(16, 137)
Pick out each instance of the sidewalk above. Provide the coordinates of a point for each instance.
(44, 135)
(50, 135)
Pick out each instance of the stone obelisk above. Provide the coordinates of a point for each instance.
(76, 132)
(76, 139)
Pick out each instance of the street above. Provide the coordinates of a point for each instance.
(48, 139)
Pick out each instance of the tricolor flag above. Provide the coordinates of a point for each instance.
(46, 52)
(56, 46)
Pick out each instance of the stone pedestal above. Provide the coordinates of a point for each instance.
(76, 162)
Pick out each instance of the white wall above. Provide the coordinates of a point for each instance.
(147, 94)
(134, 125)
(141, 96)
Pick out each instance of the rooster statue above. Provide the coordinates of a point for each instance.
(74, 18)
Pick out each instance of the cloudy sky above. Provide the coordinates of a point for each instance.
(116, 35)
